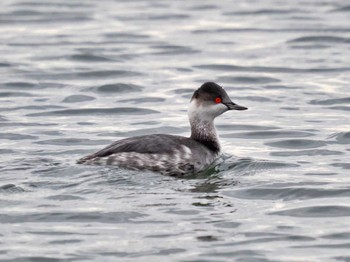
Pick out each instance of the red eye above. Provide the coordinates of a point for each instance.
(218, 100)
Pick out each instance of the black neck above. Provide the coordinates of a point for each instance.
(212, 145)
(203, 131)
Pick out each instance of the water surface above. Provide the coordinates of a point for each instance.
(76, 76)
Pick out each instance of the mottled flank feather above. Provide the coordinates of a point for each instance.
(169, 155)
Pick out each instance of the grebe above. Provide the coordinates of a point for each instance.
(174, 155)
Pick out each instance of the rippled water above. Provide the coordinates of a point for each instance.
(77, 75)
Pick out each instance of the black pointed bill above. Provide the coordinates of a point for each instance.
(233, 106)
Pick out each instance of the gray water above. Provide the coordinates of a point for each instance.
(77, 75)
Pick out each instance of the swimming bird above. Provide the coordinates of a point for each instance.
(169, 154)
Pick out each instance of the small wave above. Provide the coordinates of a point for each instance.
(288, 193)
(71, 142)
(342, 9)
(341, 165)
(89, 58)
(321, 39)
(341, 138)
(6, 152)
(247, 79)
(20, 85)
(168, 17)
(247, 166)
(174, 50)
(203, 7)
(5, 65)
(315, 211)
(50, 4)
(342, 235)
(33, 107)
(98, 111)
(77, 99)
(126, 36)
(107, 73)
(15, 94)
(314, 152)
(47, 17)
(343, 108)
(183, 91)
(333, 101)
(11, 188)
(246, 127)
(266, 69)
(147, 131)
(78, 217)
(119, 88)
(263, 12)
(65, 197)
(297, 143)
(3, 119)
(268, 134)
(144, 100)
(282, 87)
(258, 99)
(88, 75)
(272, 30)
(13, 136)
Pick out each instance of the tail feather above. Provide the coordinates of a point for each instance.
(84, 159)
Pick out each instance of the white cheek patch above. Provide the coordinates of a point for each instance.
(217, 109)
(205, 112)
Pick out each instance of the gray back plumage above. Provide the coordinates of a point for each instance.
(148, 144)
